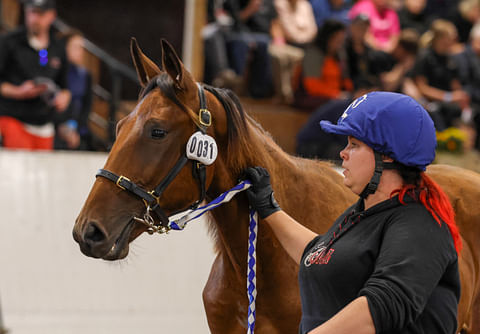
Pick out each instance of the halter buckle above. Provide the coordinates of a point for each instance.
(120, 179)
(205, 117)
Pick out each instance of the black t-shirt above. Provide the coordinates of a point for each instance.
(469, 65)
(439, 70)
(418, 22)
(259, 22)
(397, 256)
(20, 62)
(365, 69)
(462, 24)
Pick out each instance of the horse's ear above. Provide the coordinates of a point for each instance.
(174, 67)
(146, 69)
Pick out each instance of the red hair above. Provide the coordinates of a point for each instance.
(436, 202)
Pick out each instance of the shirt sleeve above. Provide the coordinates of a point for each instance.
(413, 257)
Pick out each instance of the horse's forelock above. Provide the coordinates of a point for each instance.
(170, 91)
(166, 85)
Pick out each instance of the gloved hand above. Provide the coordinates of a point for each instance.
(260, 194)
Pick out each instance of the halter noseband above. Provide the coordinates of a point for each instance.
(152, 198)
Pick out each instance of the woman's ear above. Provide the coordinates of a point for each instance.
(386, 158)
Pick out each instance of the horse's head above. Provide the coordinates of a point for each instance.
(163, 158)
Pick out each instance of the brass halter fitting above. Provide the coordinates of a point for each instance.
(150, 223)
(205, 117)
(120, 179)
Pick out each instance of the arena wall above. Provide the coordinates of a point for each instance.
(48, 286)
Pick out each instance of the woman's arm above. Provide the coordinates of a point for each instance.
(292, 235)
(428, 91)
(353, 318)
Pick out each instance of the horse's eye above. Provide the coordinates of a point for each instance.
(158, 133)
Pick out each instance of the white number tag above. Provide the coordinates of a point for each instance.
(202, 148)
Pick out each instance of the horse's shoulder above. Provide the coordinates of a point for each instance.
(456, 180)
(325, 177)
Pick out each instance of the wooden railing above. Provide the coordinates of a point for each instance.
(10, 14)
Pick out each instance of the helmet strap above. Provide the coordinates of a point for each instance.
(371, 187)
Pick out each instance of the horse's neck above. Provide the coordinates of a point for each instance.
(230, 223)
(231, 220)
(300, 185)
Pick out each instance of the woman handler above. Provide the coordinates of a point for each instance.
(389, 263)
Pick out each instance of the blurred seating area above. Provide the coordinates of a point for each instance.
(294, 62)
(313, 57)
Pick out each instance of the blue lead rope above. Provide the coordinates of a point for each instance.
(252, 270)
(180, 224)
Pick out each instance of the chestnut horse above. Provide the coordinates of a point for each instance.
(150, 147)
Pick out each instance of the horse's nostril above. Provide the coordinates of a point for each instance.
(93, 234)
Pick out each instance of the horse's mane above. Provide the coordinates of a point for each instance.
(247, 142)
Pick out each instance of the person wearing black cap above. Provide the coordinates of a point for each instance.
(389, 263)
(33, 74)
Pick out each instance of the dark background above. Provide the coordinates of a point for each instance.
(110, 25)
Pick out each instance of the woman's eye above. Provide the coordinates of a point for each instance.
(158, 133)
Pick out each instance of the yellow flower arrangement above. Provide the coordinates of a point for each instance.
(451, 140)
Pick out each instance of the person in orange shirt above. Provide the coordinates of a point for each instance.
(323, 75)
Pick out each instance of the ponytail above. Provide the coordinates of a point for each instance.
(429, 193)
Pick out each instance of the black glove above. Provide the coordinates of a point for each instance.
(260, 194)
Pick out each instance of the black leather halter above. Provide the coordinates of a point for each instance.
(151, 198)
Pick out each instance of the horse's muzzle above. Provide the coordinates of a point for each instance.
(92, 240)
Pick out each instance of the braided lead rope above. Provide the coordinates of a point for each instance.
(252, 271)
(180, 224)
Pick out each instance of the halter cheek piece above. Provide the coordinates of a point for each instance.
(152, 198)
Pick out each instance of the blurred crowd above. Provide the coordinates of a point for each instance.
(319, 55)
(45, 91)
(315, 55)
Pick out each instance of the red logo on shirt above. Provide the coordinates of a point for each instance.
(319, 256)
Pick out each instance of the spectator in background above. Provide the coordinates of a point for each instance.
(437, 77)
(323, 75)
(33, 80)
(384, 23)
(413, 16)
(438, 9)
(313, 142)
(296, 21)
(293, 29)
(397, 78)
(247, 44)
(464, 16)
(364, 63)
(469, 66)
(331, 9)
(217, 69)
(75, 133)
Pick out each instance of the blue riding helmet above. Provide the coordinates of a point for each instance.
(392, 124)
